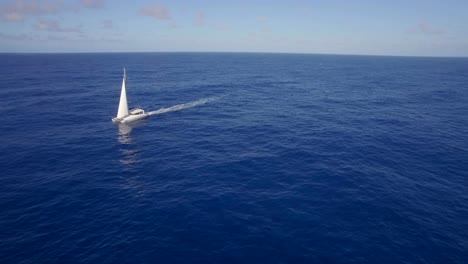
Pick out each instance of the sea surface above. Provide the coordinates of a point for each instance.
(247, 158)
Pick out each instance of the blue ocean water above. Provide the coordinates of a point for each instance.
(276, 158)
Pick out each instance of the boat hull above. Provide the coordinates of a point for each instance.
(129, 119)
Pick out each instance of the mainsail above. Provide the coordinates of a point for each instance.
(123, 105)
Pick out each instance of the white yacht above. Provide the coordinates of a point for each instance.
(124, 115)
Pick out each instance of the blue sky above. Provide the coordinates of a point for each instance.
(414, 28)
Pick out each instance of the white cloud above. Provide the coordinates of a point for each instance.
(200, 19)
(54, 26)
(19, 10)
(92, 3)
(427, 29)
(156, 11)
(107, 24)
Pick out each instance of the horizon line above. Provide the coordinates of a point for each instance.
(251, 52)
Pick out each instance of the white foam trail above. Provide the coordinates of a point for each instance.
(182, 106)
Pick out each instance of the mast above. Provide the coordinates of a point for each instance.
(123, 105)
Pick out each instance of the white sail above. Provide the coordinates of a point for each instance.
(125, 116)
(123, 105)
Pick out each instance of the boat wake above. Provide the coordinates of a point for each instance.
(182, 106)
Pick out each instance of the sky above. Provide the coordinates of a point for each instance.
(370, 27)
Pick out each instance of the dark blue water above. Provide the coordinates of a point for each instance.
(288, 159)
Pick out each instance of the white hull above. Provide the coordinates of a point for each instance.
(129, 119)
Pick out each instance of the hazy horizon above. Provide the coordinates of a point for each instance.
(419, 28)
(240, 52)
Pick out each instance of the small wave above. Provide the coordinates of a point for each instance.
(182, 106)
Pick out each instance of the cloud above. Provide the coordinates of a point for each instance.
(54, 26)
(261, 19)
(265, 29)
(107, 24)
(30, 37)
(426, 29)
(221, 27)
(156, 11)
(173, 25)
(17, 37)
(60, 38)
(11, 17)
(18, 10)
(200, 19)
(92, 3)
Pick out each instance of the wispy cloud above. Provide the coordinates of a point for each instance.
(59, 38)
(261, 19)
(54, 26)
(92, 3)
(107, 24)
(265, 29)
(156, 11)
(11, 17)
(221, 27)
(427, 29)
(262, 23)
(17, 37)
(261, 36)
(31, 37)
(19, 10)
(173, 25)
(200, 19)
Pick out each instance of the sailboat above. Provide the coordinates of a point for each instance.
(124, 115)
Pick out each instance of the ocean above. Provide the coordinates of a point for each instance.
(248, 158)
